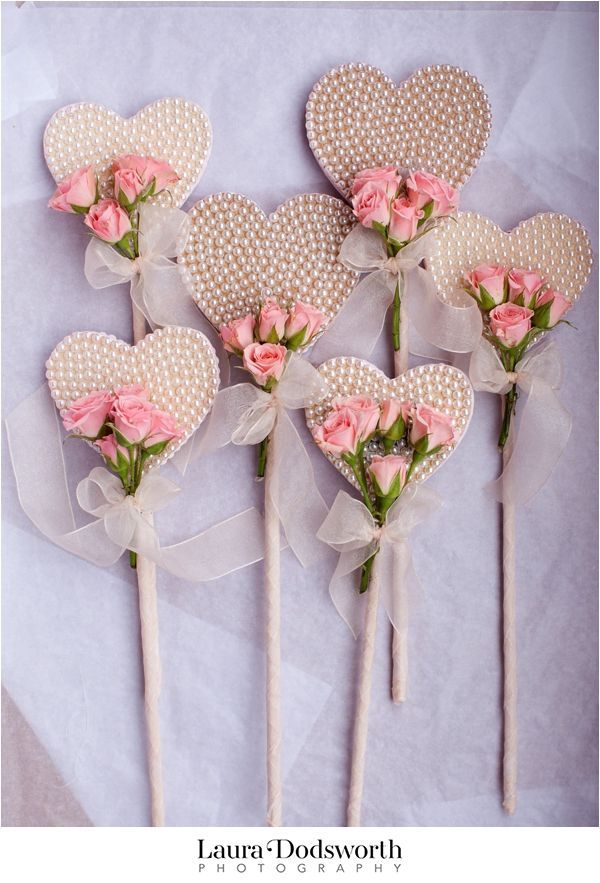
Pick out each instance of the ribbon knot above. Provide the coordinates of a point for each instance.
(351, 530)
(544, 425)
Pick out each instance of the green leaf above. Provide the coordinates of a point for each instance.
(541, 316)
(80, 209)
(397, 246)
(380, 228)
(427, 209)
(396, 430)
(158, 448)
(487, 301)
(272, 336)
(121, 438)
(297, 339)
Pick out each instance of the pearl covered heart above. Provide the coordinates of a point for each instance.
(554, 245)
(437, 121)
(442, 387)
(236, 256)
(178, 367)
(170, 129)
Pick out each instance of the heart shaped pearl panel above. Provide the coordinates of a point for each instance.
(178, 367)
(171, 129)
(236, 256)
(437, 121)
(441, 386)
(556, 246)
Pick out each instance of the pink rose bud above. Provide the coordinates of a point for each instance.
(76, 193)
(394, 418)
(487, 284)
(510, 323)
(128, 186)
(163, 428)
(238, 334)
(110, 450)
(430, 429)
(271, 321)
(386, 178)
(265, 361)
(162, 173)
(425, 189)
(551, 306)
(404, 220)
(132, 418)
(525, 284)
(304, 322)
(88, 415)
(154, 174)
(388, 474)
(372, 205)
(108, 221)
(367, 413)
(338, 434)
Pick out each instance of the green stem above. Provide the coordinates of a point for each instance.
(133, 559)
(358, 467)
(365, 574)
(262, 457)
(510, 401)
(135, 221)
(396, 318)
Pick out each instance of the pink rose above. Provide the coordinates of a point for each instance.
(404, 220)
(367, 413)
(163, 428)
(487, 284)
(149, 170)
(424, 188)
(87, 415)
(393, 410)
(388, 474)
(526, 283)
(371, 205)
(132, 417)
(265, 361)
(430, 429)
(510, 323)
(108, 221)
(128, 186)
(271, 321)
(559, 305)
(76, 193)
(303, 317)
(386, 178)
(109, 448)
(238, 334)
(338, 434)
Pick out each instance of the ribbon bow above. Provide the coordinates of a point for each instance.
(122, 521)
(545, 425)
(351, 530)
(361, 319)
(245, 415)
(157, 288)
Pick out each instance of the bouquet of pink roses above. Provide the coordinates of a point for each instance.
(114, 219)
(518, 307)
(126, 428)
(382, 443)
(265, 343)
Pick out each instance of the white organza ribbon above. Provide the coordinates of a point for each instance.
(122, 522)
(351, 530)
(360, 321)
(157, 288)
(245, 415)
(544, 424)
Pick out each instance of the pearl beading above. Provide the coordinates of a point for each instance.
(178, 367)
(438, 121)
(555, 245)
(441, 386)
(236, 256)
(170, 129)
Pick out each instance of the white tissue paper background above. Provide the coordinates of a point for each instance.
(71, 650)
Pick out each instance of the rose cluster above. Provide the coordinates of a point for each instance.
(124, 426)
(114, 220)
(357, 420)
(263, 341)
(398, 207)
(516, 304)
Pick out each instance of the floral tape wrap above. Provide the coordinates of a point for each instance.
(351, 530)
(360, 321)
(544, 426)
(122, 521)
